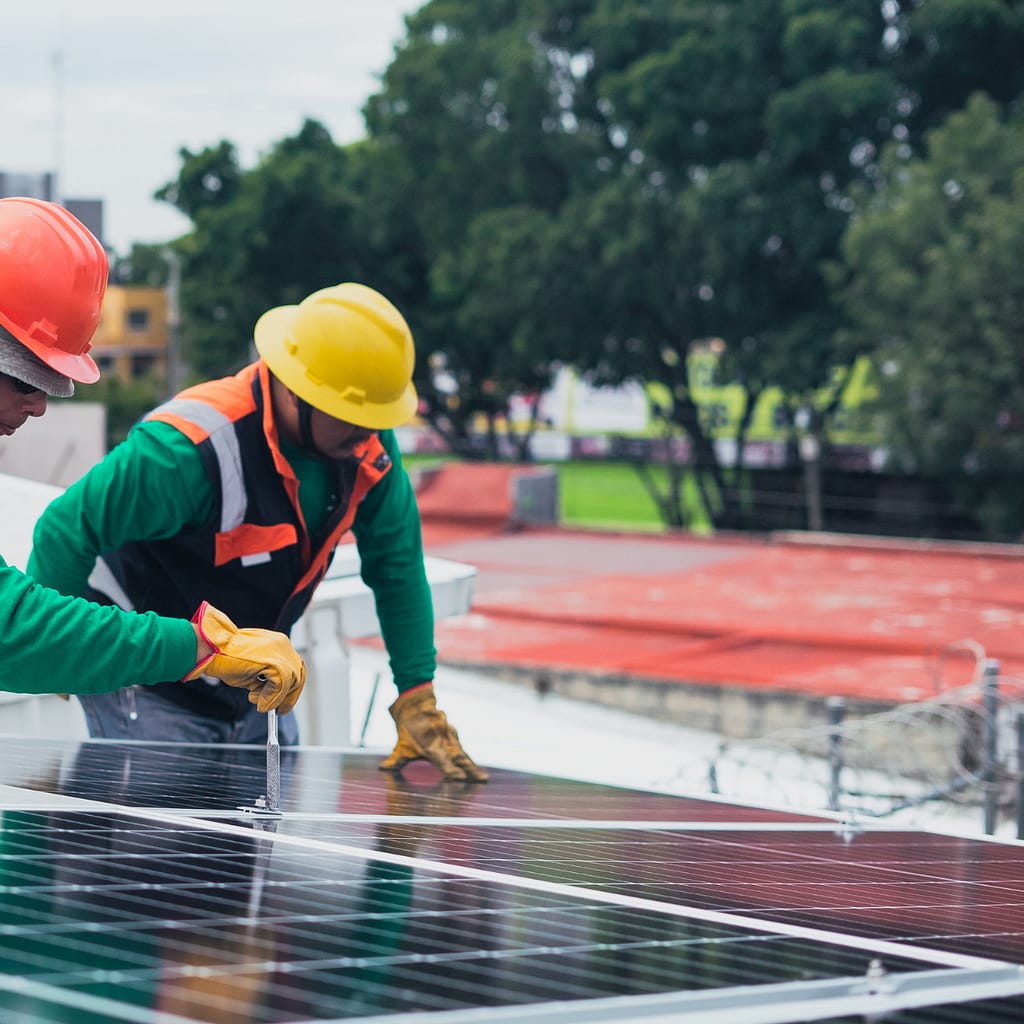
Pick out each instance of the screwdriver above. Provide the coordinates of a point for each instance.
(273, 763)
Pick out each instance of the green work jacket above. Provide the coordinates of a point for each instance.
(50, 643)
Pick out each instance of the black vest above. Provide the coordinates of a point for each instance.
(254, 560)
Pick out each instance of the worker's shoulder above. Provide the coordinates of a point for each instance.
(232, 397)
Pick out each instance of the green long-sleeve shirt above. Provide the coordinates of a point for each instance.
(153, 485)
(50, 643)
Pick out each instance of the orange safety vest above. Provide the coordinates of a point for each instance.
(254, 560)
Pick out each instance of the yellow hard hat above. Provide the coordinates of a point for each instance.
(346, 351)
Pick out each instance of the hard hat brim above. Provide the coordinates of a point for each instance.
(81, 368)
(271, 333)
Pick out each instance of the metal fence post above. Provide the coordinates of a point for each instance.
(836, 713)
(1020, 775)
(990, 741)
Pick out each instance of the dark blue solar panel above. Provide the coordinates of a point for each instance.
(380, 895)
(222, 925)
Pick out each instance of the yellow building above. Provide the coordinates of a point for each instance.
(133, 334)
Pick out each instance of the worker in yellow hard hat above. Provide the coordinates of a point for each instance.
(240, 489)
(53, 277)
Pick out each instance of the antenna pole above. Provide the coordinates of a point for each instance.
(57, 60)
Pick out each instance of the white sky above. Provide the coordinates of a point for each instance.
(136, 80)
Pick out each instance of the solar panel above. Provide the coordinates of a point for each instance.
(139, 885)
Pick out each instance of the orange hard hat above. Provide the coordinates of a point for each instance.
(53, 275)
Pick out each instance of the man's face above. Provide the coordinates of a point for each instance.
(336, 439)
(18, 401)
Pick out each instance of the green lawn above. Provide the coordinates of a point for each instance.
(606, 495)
(611, 495)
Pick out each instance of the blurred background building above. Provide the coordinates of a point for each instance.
(132, 338)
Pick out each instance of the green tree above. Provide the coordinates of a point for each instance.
(466, 127)
(626, 316)
(489, 292)
(261, 238)
(934, 281)
(759, 118)
(734, 128)
(950, 49)
(145, 265)
(618, 124)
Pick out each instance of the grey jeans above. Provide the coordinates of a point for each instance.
(139, 713)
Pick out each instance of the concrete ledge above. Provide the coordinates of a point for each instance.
(808, 538)
(731, 710)
(797, 721)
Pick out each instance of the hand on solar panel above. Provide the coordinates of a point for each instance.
(397, 834)
(260, 660)
(444, 799)
(424, 734)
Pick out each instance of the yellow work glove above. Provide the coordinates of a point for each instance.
(261, 660)
(424, 734)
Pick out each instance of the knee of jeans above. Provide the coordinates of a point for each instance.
(106, 714)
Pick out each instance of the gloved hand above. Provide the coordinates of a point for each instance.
(424, 734)
(261, 660)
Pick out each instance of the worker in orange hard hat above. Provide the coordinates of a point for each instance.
(53, 276)
(241, 489)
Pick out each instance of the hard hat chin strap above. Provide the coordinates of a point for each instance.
(306, 427)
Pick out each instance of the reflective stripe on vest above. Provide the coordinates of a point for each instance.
(211, 422)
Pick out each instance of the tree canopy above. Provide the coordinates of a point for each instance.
(935, 285)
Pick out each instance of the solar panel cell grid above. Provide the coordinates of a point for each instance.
(903, 886)
(375, 896)
(206, 924)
